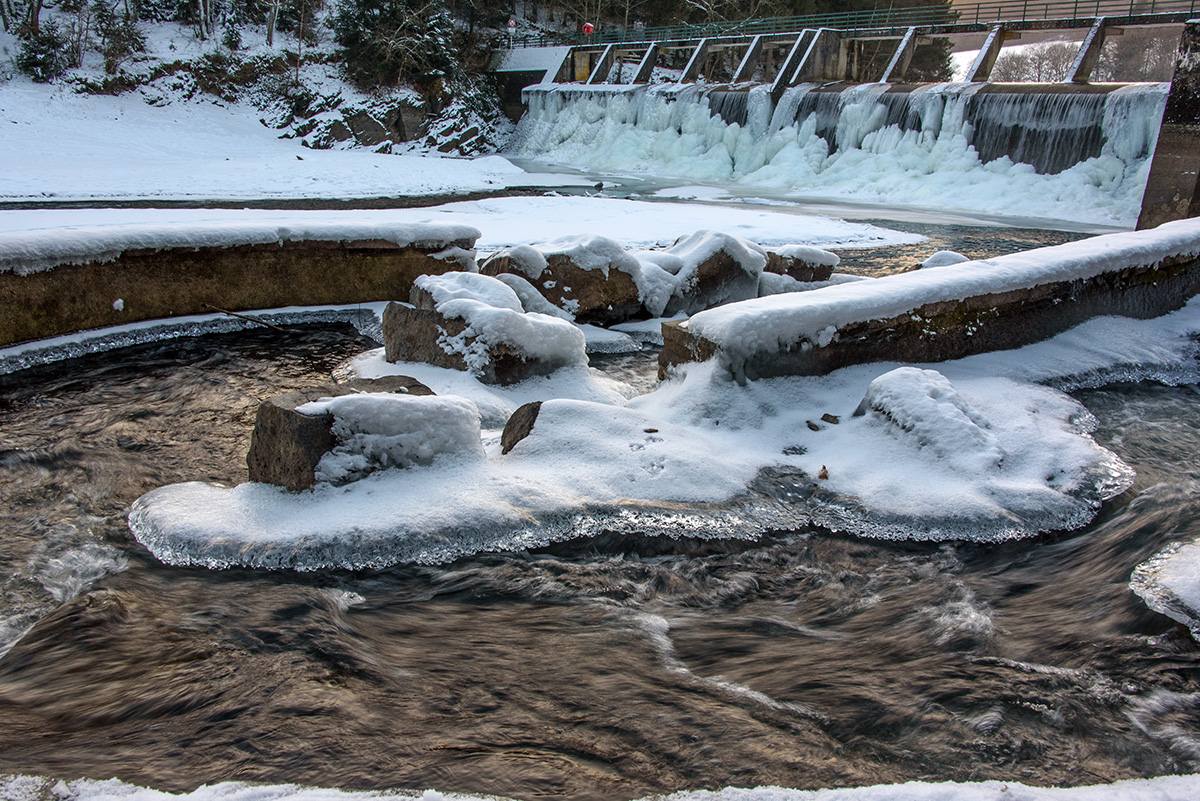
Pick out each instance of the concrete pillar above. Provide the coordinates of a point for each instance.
(1089, 53)
(824, 60)
(646, 67)
(603, 65)
(901, 58)
(981, 69)
(692, 71)
(583, 62)
(1173, 190)
(745, 70)
(784, 79)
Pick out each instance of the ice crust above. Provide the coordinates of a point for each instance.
(704, 457)
(1169, 583)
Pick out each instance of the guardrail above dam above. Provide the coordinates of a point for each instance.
(977, 14)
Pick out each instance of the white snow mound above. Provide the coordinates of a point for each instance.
(809, 255)
(926, 408)
(944, 258)
(380, 430)
(483, 288)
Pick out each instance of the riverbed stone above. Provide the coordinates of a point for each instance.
(717, 280)
(519, 426)
(589, 294)
(797, 267)
(286, 445)
(412, 334)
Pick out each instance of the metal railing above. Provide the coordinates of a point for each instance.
(973, 14)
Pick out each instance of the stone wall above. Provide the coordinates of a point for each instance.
(153, 284)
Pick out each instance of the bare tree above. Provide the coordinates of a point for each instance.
(271, 17)
(1037, 63)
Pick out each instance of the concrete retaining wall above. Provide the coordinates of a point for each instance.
(943, 330)
(151, 284)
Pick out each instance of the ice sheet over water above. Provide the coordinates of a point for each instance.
(1169, 583)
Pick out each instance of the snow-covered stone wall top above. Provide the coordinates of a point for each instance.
(32, 251)
(776, 322)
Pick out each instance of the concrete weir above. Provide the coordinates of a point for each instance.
(944, 313)
(116, 285)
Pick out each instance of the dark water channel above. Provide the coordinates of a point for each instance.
(607, 669)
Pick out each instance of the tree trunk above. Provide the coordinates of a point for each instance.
(203, 7)
(33, 19)
(271, 23)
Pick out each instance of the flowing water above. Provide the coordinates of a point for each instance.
(611, 668)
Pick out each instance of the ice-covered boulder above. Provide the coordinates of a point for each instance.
(713, 269)
(944, 258)
(591, 277)
(286, 445)
(475, 323)
(925, 409)
(377, 431)
(802, 262)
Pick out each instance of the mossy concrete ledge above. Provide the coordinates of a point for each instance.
(947, 312)
(59, 282)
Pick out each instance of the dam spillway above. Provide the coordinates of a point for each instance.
(1060, 151)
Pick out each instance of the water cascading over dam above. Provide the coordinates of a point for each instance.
(1060, 151)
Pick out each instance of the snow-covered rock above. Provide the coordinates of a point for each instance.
(383, 430)
(467, 321)
(925, 409)
(286, 445)
(948, 312)
(592, 277)
(802, 262)
(431, 291)
(714, 268)
(944, 258)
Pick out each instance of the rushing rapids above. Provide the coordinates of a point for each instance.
(1048, 151)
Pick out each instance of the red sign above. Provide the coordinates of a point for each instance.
(512, 23)
(588, 27)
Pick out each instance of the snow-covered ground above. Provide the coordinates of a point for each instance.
(85, 147)
(502, 223)
(1163, 788)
